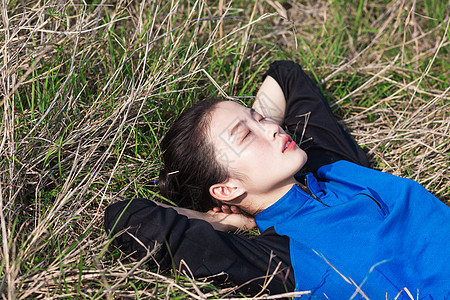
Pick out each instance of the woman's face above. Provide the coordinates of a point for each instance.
(255, 150)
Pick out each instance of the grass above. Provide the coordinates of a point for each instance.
(89, 90)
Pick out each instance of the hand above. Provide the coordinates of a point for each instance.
(224, 218)
(227, 209)
(229, 218)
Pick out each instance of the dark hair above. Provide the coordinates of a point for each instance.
(190, 165)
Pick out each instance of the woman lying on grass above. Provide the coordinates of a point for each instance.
(338, 229)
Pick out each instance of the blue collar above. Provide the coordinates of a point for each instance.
(288, 205)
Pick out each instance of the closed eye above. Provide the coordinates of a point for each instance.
(246, 135)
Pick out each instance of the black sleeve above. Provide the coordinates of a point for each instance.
(309, 118)
(206, 251)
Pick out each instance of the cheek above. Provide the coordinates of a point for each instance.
(234, 157)
(253, 159)
(256, 156)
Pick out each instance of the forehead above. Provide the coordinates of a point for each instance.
(229, 106)
(225, 115)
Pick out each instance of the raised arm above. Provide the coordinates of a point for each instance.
(270, 101)
(307, 116)
(140, 226)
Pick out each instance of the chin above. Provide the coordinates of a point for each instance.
(302, 160)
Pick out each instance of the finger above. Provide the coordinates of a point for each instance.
(226, 209)
(216, 209)
(235, 209)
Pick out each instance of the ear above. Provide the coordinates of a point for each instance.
(226, 191)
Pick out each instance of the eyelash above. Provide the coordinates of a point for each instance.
(249, 132)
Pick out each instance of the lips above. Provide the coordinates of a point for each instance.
(288, 143)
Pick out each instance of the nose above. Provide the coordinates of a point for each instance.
(271, 129)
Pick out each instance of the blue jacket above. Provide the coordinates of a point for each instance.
(367, 233)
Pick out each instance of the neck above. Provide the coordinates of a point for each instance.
(254, 204)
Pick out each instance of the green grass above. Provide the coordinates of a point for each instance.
(89, 91)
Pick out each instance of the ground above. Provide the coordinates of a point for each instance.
(89, 89)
